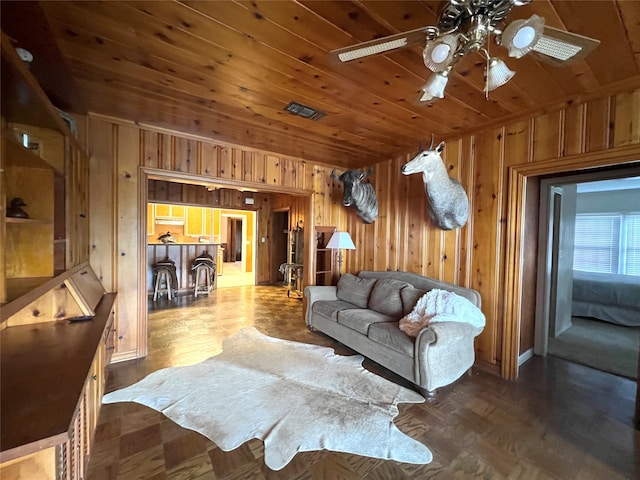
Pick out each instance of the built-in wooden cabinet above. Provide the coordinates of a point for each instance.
(48, 426)
(53, 370)
(42, 164)
(324, 267)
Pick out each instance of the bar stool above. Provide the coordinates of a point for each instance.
(163, 282)
(203, 280)
(204, 270)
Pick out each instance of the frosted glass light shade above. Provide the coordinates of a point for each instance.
(439, 53)
(497, 73)
(434, 88)
(522, 35)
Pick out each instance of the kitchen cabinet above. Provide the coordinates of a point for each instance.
(151, 221)
(165, 211)
(194, 224)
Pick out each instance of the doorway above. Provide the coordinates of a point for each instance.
(280, 227)
(234, 239)
(239, 243)
(560, 330)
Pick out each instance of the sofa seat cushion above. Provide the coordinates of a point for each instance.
(330, 308)
(361, 319)
(355, 290)
(386, 299)
(390, 335)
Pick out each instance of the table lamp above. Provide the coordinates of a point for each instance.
(340, 241)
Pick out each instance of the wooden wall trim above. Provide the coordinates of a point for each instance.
(517, 191)
(198, 138)
(583, 161)
(610, 90)
(194, 179)
(513, 275)
(143, 334)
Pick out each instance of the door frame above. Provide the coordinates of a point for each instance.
(274, 268)
(518, 176)
(147, 173)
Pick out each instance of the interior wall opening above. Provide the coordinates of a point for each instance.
(582, 316)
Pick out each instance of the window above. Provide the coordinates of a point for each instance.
(632, 266)
(607, 243)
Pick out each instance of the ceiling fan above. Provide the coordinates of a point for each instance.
(465, 26)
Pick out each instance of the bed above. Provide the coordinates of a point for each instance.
(607, 297)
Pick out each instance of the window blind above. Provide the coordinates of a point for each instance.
(597, 239)
(607, 244)
(632, 266)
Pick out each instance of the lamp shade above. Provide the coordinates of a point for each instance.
(497, 73)
(341, 240)
(522, 35)
(434, 88)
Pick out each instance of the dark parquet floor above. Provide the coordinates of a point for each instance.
(558, 421)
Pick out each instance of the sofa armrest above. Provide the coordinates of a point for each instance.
(315, 293)
(443, 352)
(446, 333)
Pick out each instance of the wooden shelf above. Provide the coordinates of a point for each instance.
(33, 221)
(323, 266)
(22, 287)
(19, 156)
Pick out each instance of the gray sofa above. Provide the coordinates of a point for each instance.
(362, 312)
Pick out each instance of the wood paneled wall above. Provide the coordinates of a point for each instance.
(122, 154)
(402, 238)
(475, 255)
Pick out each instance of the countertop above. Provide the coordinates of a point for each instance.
(44, 367)
(183, 243)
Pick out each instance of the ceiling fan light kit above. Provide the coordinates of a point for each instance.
(466, 26)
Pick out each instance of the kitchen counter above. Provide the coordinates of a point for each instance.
(183, 255)
(181, 243)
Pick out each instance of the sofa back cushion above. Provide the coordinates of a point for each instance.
(385, 297)
(410, 296)
(425, 283)
(355, 290)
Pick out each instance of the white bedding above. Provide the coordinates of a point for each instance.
(607, 297)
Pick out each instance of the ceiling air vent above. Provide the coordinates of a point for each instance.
(304, 111)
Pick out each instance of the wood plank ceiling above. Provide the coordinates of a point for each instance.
(227, 69)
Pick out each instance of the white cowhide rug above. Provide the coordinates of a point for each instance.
(294, 396)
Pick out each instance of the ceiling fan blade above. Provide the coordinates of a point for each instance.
(383, 45)
(559, 47)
